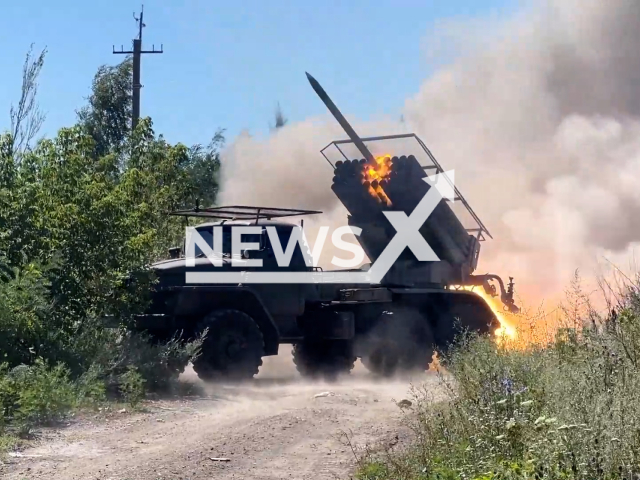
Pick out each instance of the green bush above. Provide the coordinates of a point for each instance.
(24, 313)
(158, 363)
(132, 386)
(39, 394)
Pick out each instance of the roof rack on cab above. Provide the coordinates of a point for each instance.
(242, 212)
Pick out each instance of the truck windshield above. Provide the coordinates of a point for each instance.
(207, 235)
(284, 234)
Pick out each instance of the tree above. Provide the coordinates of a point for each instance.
(203, 170)
(26, 118)
(74, 223)
(107, 117)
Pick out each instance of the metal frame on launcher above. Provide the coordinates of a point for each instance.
(480, 231)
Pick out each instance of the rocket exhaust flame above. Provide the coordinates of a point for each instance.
(374, 175)
(506, 330)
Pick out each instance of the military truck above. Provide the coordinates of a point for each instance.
(392, 324)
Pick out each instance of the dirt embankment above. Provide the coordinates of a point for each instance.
(274, 427)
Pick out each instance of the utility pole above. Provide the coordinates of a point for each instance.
(137, 53)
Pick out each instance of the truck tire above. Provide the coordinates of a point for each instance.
(382, 358)
(400, 341)
(232, 349)
(326, 359)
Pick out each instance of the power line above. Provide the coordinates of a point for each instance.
(137, 54)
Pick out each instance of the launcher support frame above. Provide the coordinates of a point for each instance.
(480, 230)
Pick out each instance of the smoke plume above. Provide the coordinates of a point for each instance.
(541, 122)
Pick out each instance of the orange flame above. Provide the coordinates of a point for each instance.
(506, 330)
(377, 173)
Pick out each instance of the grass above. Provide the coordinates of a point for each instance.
(564, 408)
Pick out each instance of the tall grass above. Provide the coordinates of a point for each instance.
(564, 407)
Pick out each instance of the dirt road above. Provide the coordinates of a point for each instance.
(273, 428)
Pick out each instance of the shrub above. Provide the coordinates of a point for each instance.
(39, 394)
(132, 386)
(159, 363)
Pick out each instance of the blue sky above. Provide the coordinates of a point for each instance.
(227, 64)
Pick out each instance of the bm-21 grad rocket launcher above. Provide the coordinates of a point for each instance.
(370, 184)
(392, 323)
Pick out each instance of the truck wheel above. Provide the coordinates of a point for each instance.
(324, 359)
(400, 341)
(383, 358)
(232, 349)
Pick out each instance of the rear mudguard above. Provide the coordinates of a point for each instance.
(449, 311)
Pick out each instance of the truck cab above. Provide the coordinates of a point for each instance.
(261, 242)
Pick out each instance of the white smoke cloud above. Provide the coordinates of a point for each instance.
(540, 120)
(286, 169)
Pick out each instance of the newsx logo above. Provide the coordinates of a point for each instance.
(407, 236)
(283, 257)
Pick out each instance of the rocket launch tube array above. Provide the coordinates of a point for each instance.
(404, 187)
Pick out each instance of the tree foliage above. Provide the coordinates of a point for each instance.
(203, 167)
(80, 213)
(107, 117)
(107, 120)
(79, 227)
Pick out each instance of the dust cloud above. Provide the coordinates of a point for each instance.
(278, 377)
(541, 121)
